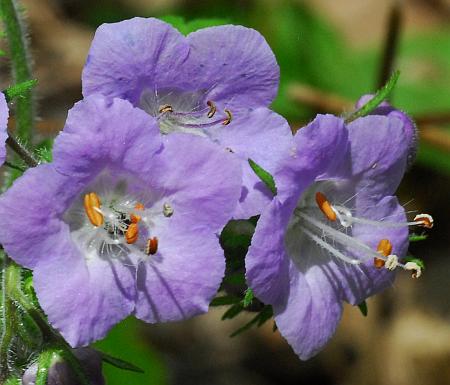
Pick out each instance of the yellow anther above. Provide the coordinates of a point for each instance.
(385, 249)
(212, 109)
(92, 206)
(165, 108)
(229, 117)
(132, 233)
(425, 219)
(325, 206)
(152, 246)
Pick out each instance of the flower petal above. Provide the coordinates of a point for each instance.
(266, 138)
(100, 132)
(200, 179)
(266, 262)
(4, 114)
(313, 309)
(127, 57)
(235, 64)
(31, 211)
(379, 151)
(95, 295)
(181, 280)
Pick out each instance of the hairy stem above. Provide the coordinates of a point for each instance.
(20, 150)
(21, 67)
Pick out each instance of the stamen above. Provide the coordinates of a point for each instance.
(415, 268)
(330, 249)
(151, 246)
(424, 220)
(346, 218)
(92, 206)
(212, 109)
(165, 108)
(325, 206)
(385, 249)
(132, 233)
(229, 118)
(391, 262)
(167, 210)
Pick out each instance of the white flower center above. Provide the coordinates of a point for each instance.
(114, 218)
(184, 111)
(325, 229)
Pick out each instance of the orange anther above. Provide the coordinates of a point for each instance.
(325, 206)
(139, 206)
(385, 249)
(425, 219)
(135, 218)
(92, 206)
(151, 246)
(132, 233)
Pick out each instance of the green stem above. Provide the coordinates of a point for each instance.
(46, 359)
(10, 278)
(20, 150)
(21, 68)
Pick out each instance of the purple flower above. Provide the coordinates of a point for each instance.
(4, 114)
(333, 220)
(124, 221)
(216, 82)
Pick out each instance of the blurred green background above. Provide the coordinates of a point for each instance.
(330, 53)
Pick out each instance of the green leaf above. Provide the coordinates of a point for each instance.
(262, 174)
(121, 364)
(20, 90)
(377, 99)
(417, 237)
(248, 297)
(264, 315)
(13, 381)
(418, 261)
(363, 308)
(224, 300)
(232, 312)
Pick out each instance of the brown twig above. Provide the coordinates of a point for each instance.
(319, 100)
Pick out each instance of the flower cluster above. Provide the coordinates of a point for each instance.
(153, 163)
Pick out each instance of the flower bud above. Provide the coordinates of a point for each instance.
(61, 373)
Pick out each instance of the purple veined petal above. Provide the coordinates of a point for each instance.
(309, 318)
(4, 114)
(266, 138)
(30, 210)
(266, 263)
(375, 280)
(410, 127)
(379, 150)
(235, 64)
(200, 180)
(99, 131)
(181, 279)
(127, 57)
(319, 150)
(95, 295)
